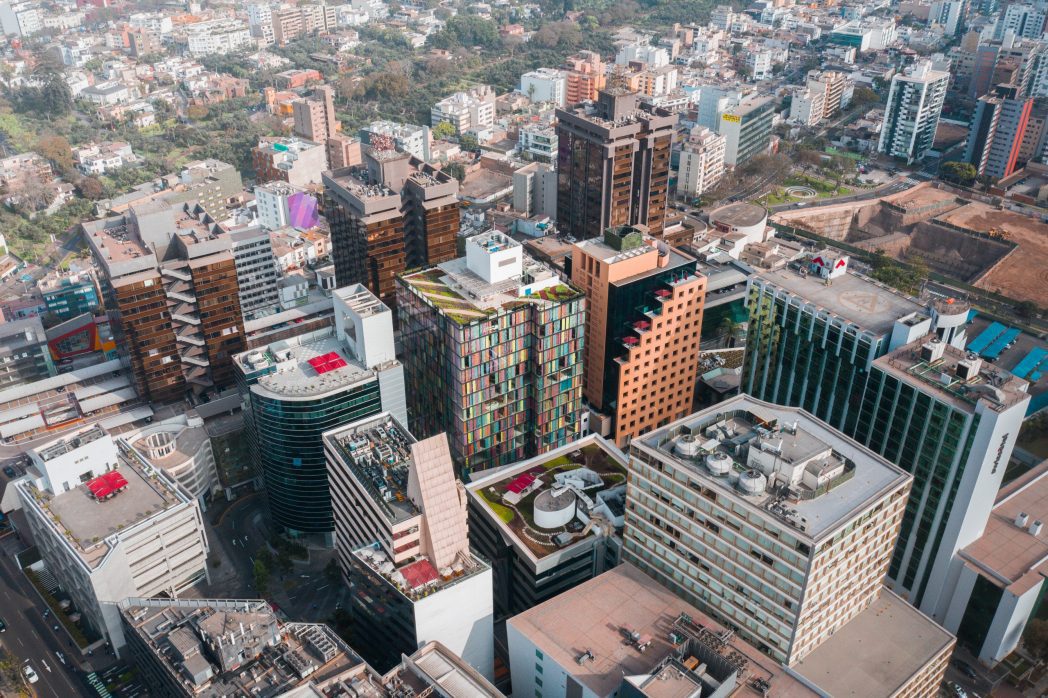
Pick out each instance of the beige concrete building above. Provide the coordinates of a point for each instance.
(644, 302)
(767, 519)
(701, 162)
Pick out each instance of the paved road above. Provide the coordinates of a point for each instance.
(29, 637)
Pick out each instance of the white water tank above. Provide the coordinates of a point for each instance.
(719, 463)
(554, 508)
(753, 483)
(687, 446)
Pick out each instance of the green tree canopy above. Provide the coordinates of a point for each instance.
(963, 173)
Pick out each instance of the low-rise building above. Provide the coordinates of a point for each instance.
(99, 158)
(466, 110)
(69, 294)
(24, 355)
(289, 160)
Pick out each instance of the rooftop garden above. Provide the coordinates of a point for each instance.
(520, 516)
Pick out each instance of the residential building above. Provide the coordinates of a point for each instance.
(545, 85)
(295, 389)
(403, 544)
(644, 312)
(996, 132)
(407, 137)
(746, 127)
(68, 295)
(474, 109)
(911, 116)
(626, 634)
(538, 142)
(257, 273)
(951, 420)
(314, 116)
(807, 106)
(836, 88)
(864, 35)
(209, 183)
(343, 151)
(535, 190)
(597, 146)
(25, 356)
(1023, 20)
(219, 36)
(102, 553)
(180, 447)
(497, 358)
(701, 162)
(853, 320)
(169, 279)
(279, 204)
(584, 78)
(20, 18)
(722, 18)
(222, 647)
(99, 158)
(289, 160)
(537, 553)
(948, 14)
(143, 43)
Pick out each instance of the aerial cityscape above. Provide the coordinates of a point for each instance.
(523, 349)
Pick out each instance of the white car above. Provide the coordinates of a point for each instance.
(30, 674)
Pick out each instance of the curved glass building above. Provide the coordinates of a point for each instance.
(295, 390)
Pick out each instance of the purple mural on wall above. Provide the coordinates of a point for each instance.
(302, 210)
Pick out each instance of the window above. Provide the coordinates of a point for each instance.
(538, 668)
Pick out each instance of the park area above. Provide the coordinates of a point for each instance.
(804, 187)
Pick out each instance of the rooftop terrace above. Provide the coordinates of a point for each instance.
(87, 523)
(571, 486)
(852, 297)
(781, 461)
(418, 577)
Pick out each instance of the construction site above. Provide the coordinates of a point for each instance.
(970, 241)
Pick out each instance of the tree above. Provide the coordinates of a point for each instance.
(864, 96)
(963, 173)
(1035, 638)
(261, 577)
(443, 130)
(456, 170)
(91, 188)
(196, 112)
(469, 142)
(56, 150)
(1026, 309)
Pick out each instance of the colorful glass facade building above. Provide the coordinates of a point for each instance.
(496, 353)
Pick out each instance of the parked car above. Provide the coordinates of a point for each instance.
(9, 471)
(965, 668)
(3, 626)
(30, 675)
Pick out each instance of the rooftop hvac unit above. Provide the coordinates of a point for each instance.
(719, 463)
(968, 369)
(687, 446)
(1021, 519)
(932, 351)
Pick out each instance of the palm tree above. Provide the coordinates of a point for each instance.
(727, 328)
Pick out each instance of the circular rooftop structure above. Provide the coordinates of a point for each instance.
(554, 508)
(740, 217)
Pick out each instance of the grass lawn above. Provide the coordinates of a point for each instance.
(824, 189)
(502, 511)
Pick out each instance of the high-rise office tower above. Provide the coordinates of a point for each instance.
(613, 165)
(951, 420)
(644, 304)
(392, 213)
(403, 544)
(170, 280)
(496, 353)
(295, 389)
(813, 334)
(765, 518)
(996, 131)
(912, 114)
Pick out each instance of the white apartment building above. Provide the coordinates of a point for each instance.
(99, 158)
(760, 63)
(217, 36)
(1025, 21)
(911, 115)
(20, 18)
(408, 137)
(538, 142)
(466, 110)
(948, 14)
(765, 518)
(153, 22)
(646, 54)
(722, 17)
(807, 106)
(701, 162)
(147, 540)
(272, 203)
(544, 85)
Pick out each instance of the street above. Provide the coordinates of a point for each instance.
(29, 637)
